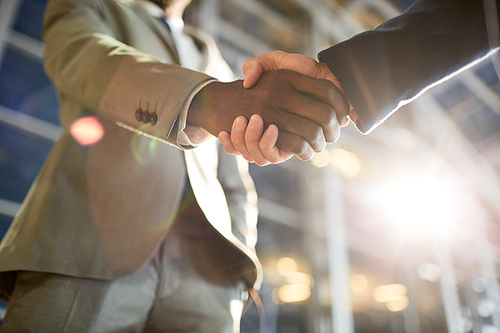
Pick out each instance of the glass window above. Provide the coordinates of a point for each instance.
(275, 238)
(453, 96)
(488, 74)
(30, 18)
(3, 305)
(481, 125)
(21, 157)
(278, 243)
(288, 37)
(278, 184)
(25, 87)
(4, 224)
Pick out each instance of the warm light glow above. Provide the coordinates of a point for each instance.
(300, 278)
(322, 159)
(389, 293)
(297, 287)
(294, 293)
(418, 204)
(87, 130)
(358, 282)
(342, 160)
(346, 162)
(398, 304)
(286, 266)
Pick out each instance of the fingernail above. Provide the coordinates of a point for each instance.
(239, 123)
(271, 130)
(253, 121)
(344, 121)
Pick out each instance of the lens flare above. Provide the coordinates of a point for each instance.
(87, 130)
(418, 204)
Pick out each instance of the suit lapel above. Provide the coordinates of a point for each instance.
(159, 29)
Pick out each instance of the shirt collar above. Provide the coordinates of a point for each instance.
(176, 23)
(152, 8)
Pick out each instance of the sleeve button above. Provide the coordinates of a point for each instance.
(138, 114)
(145, 117)
(153, 118)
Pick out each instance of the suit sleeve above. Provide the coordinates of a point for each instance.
(91, 65)
(385, 68)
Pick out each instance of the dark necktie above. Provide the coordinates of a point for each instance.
(171, 40)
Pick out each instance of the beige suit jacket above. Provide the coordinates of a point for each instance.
(101, 211)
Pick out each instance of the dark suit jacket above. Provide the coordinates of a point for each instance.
(383, 69)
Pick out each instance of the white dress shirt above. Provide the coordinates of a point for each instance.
(190, 57)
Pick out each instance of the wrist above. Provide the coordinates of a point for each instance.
(201, 109)
(213, 107)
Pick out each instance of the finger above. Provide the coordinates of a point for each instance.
(316, 115)
(238, 137)
(225, 140)
(253, 135)
(323, 90)
(253, 68)
(326, 106)
(269, 149)
(290, 119)
(296, 145)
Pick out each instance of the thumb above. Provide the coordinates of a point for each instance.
(252, 70)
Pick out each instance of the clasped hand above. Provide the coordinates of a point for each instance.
(297, 130)
(302, 109)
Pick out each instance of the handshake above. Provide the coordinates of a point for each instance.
(288, 104)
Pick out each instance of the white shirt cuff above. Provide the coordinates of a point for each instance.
(192, 136)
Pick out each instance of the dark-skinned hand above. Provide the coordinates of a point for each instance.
(302, 107)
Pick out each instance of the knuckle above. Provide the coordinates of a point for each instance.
(337, 134)
(274, 160)
(329, 87)
(261, 164)
(302, 150)
(317, 139)
(328, 116)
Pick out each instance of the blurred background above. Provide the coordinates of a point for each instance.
(397, 231)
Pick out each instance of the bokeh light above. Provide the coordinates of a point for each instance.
(344, 161)
(393, 295)
(398, 304)
(388, 293)
(286, 266)
(358, 282)
(87, 130)
(296, 285)
(429, 271)
(292, 293)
